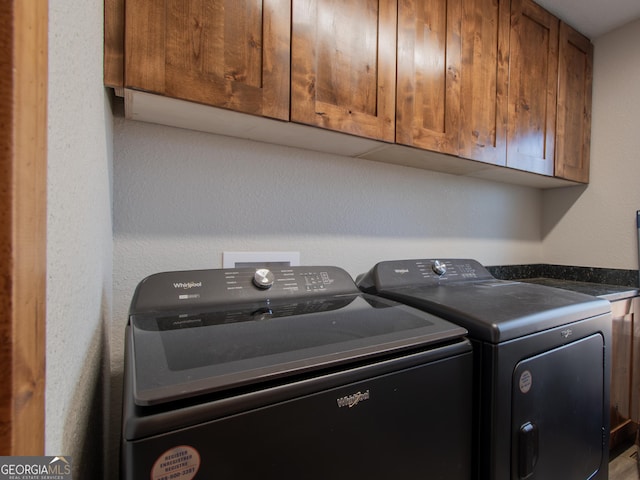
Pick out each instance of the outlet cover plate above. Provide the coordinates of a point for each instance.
(259, 259)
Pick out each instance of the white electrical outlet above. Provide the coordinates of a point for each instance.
(257, 259)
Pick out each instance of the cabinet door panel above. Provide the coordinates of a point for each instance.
(428, 104)
(575, 73)
(227, 53)
(532, 88)
(635, 355)
(483, 84)
(343, 66)
(621, 348)
(624, 371)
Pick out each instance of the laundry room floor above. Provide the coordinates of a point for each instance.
(625, 465)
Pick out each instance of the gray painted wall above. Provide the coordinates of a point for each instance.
(79, 238)
(595, 225)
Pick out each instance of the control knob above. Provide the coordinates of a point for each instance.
(439, 268)
(263, 278)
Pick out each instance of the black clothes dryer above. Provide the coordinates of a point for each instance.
(542, 365)
(290, 373)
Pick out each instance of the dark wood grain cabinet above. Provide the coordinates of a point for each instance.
(500, 82)
(428, 76)
(226, 53)
(625, 368)
(452, 77)
(573, 127)
(533, 79)
(343, 61)
(484, 83)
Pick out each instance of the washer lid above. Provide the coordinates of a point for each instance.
(180, 355)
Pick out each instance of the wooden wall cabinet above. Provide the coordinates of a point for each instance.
(573, 127)
(498, 82)
(484, 84)
(625, 367)
(533, 81)
(227, 53)
(343, 58)
(452, 77)
(428, 76)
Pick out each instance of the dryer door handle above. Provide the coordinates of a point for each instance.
(528, 450)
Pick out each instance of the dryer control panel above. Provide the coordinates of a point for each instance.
(428, 271)
(194, 288)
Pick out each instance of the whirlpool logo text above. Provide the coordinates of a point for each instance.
(187, 285)
(353, 400)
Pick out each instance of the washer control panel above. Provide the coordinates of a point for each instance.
(194, 288)
(293, 280)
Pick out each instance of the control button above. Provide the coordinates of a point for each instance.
(438, 267)
(261, 314)
(263, 278)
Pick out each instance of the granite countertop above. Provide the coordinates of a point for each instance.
(610, 284)
(602, 290)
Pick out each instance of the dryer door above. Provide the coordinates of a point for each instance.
(558, 412)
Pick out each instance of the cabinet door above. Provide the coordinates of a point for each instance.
(621, 335)
(575, 73)
(227, 53)
(428, 98)
(343, 60)
(635, 367)
(484, 80)
(533, 80)
(623, 398)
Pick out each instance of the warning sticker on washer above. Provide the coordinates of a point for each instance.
(526, 381)
(178, 463)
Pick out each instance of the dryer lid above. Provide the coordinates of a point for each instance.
(467, 294)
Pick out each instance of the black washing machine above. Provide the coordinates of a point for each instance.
(288, 374)
(542, 365)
